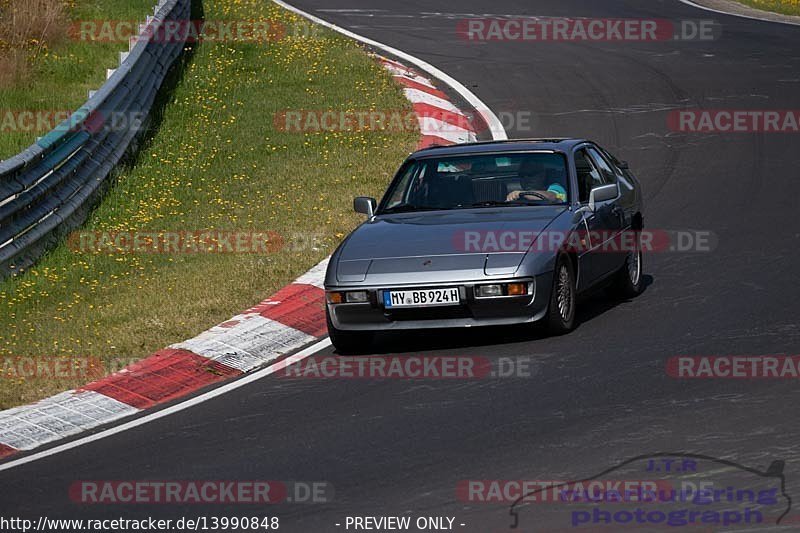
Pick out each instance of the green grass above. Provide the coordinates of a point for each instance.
(61, 76)
(787, 7)
(216, 162)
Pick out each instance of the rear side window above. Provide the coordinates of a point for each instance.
(589, 176)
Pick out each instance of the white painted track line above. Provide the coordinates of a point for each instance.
(740, 15)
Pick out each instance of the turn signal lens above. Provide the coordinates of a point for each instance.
(335, 297)
(517, 289)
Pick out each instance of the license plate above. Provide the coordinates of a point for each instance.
(421, 298)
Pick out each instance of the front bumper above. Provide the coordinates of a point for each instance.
(502, 310)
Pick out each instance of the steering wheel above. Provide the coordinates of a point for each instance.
(533, 193)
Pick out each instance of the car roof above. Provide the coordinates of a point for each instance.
(559, 144)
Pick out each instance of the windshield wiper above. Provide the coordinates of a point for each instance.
(406, 208)
(494, 203)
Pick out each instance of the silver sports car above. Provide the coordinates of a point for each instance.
(486, 234)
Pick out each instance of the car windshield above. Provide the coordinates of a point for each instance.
(477, 181)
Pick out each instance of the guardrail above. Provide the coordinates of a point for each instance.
(48, 189)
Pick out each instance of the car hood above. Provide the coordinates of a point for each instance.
(430, 246)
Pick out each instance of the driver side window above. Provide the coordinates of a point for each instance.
(589, 176)
(602, 164)
(404, 187)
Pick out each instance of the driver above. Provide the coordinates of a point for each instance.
(536, 185)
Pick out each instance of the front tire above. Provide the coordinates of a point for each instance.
(560, 316)
(348, 342)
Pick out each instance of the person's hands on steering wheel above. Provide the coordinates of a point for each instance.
(515, 195)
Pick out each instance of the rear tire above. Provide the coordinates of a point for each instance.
(560, 316)
(629, 282)
(348, 342)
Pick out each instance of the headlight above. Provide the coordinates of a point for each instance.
(488, 291)
(357, 297)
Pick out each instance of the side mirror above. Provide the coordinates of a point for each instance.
(603, 193)
(365, 205)
(623, 165)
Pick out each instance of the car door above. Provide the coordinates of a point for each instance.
(600, 225)
(613, 214)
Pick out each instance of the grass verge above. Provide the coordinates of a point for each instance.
(46, 68)
(786, 7)
(217, 162)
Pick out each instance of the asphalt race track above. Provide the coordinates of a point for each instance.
(599, 395)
